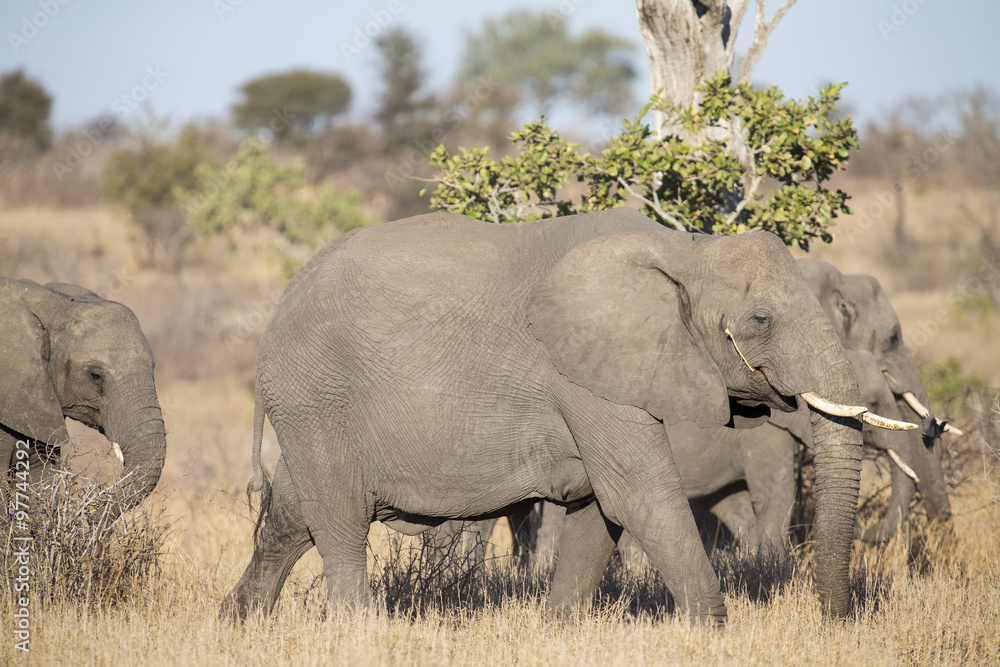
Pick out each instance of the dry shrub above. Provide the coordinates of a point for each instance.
(417, 576)
(76, 554)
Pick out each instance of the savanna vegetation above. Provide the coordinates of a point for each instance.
(198, 228)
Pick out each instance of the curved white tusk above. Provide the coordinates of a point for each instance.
(917, 406)
(902, 466)
(889, 377)
(886, 423)
(118, 452)
(954, 430)
(831, 408)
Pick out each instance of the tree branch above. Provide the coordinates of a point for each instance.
(762, 30)
(739, 9)
(674, 222)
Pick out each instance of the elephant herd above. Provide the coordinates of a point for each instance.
(440, 369)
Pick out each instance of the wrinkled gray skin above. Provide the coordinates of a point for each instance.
(68, 353)
(764, 456)
(863, 318)
(443, 368)
(712, 459)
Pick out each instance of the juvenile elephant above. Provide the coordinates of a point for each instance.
(863, 318)
(68, 353)
(441, 368)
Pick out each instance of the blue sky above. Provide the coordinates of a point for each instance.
(190, 56)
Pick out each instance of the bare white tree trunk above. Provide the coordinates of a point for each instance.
(688, 41)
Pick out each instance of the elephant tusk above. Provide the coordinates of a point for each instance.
(888, 376)
(118, 452)
(902, 466)
(831, 408)
(886, 423)
(922, 410)
(917, 406)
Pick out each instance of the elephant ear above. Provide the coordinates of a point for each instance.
(840, 311)
(615, 317)
(28, 401)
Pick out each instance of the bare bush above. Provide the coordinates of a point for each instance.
(76, 555)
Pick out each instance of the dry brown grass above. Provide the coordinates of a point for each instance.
(203, 323)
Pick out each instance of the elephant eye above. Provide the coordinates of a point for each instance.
(893, 341)
(96, 377)
(761, 320)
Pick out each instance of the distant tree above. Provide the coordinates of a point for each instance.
(147, 176)
(401, 109)
(254, 191)
(296, 102)
(534, 58)
(24, 110)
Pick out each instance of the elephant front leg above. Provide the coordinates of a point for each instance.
(638, 486)
(585, 546)
(283, 539)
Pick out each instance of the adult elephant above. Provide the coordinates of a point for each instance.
(863, 318)
(442, 368)
(69, 353)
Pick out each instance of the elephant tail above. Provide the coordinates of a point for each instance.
(260, 483)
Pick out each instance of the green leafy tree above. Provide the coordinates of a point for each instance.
(760, 163)
(297, 102)
(24, 110)
(535, 60)
(147, 174)
(254, 191)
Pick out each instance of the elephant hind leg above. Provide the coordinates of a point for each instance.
(282, 540)
(585, 546)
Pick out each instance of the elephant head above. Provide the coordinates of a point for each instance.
(692, 328)
(69, 353)
(863, 318)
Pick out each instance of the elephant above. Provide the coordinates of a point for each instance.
(69, 353)
(712, 460)
(441, 367)
(863, 318)
(764, 457)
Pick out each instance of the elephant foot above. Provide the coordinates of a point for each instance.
(237, 606)
(714, 614)
(566, 611)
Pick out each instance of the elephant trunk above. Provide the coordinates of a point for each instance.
(135, 425)
(904, 377)
(837, 448)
